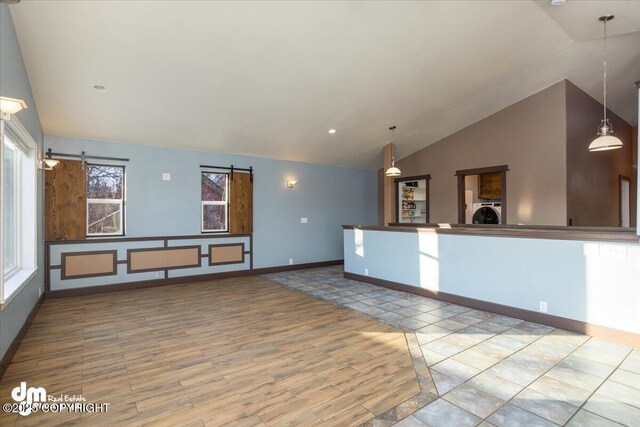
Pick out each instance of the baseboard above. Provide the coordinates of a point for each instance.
(11, 351)
(90, 290)
(610, 334)
(281, 268)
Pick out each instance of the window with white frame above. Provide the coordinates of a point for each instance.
(105, 200)
(18, 159)
(214, 189)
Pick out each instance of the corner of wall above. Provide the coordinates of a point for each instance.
(15, 84)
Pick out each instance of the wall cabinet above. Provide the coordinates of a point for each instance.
(490, 185)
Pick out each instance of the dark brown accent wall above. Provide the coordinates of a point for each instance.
(529, 136)
(634, 145)
(65, 201)
(593, 197)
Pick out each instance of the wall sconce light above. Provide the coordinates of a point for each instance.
(11, 105)
(49, 163)
(291, 183)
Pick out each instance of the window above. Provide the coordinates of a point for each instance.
(10, 190)
(105, 200)
(18, 225)
(214, 197)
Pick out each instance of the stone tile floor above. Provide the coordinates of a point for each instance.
(479, 368)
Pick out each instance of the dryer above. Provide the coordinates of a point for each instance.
(487, 213)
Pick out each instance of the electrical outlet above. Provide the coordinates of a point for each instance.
(39, 292)
(366, 271)
(166, 176)
(543, 306)
(290, 261)
(303, 220)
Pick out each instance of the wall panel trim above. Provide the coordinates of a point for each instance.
(65, 275)
(115, 287)
(133, 245)
(227, 245)
(131, 252)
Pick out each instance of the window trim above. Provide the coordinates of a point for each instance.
(28, 238)
(224, 203)
(121, 201)
(16, 208)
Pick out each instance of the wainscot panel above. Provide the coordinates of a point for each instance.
(73, 264)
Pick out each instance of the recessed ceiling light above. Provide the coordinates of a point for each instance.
(332, 131)
(100, 87)
(558, 2)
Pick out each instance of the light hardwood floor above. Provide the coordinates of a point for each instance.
(241, 351)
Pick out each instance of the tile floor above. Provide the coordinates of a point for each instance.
(488, 369)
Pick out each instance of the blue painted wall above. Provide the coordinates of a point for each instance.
(14, 83)
(328, 196)
(594, 282)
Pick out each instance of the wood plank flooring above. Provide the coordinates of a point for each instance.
(239, 352)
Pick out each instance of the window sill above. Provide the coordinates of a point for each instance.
(13, 286)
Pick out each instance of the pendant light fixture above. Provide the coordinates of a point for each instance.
(605, 140)
(393, 170)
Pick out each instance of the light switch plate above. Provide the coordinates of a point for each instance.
(303, 220)
(166, 176)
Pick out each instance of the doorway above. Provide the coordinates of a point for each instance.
(482, 195)
(625, 201)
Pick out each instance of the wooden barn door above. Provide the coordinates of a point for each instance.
(241, 203)
(65, 192)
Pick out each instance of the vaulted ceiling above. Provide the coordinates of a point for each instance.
(271, 78)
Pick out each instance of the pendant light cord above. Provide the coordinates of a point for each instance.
(393, 139)
(605, 72)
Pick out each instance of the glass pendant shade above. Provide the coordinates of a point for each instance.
(50, 163)
(393, 171)
(605, 142)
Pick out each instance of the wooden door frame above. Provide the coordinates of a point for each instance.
(620, 179)
(478, 171)
(412, 178)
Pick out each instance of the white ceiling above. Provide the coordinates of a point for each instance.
(270, 78)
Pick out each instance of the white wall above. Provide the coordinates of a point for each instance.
(593, 282)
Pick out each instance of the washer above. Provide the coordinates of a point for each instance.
(487, 213)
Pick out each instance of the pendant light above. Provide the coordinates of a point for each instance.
(393, 170)
(605, 140)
